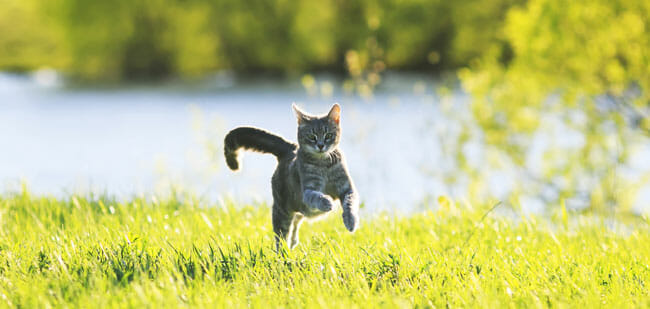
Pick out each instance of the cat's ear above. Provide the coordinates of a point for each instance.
(335, 113)
(300, 115)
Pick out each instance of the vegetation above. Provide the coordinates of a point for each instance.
(117, 39)
(577, 89)
(96, 251)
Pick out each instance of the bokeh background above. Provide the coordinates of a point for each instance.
(540, 104)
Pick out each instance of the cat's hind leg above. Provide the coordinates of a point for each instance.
(295, 226)
(281, 226)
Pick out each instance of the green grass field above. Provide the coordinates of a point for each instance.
(88, 252)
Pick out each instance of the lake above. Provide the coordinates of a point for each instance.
(141, 139)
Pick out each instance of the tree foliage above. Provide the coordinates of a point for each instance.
(577, 86)
(120, 39)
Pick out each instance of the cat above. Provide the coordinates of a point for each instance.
(309, 176)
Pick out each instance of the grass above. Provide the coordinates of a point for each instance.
(98, 252)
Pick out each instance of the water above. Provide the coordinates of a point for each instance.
(140, 140)
(137, 140)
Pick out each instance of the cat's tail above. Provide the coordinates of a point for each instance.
(254, 139)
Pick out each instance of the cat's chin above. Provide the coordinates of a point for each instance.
(317, 153)
(320, 154)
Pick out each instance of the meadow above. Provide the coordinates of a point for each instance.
(179, 251)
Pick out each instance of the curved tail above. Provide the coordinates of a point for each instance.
(254, 139)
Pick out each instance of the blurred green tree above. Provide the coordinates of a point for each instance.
(29, 38)
(113, 40)
(579, 71)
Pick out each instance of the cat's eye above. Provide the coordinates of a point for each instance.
(312, 138)
(329, 136)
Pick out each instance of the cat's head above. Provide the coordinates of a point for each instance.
(319, 134)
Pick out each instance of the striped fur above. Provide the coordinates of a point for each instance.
(310, 177)
(254, 139)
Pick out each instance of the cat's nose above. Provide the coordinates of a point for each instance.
(320, 146)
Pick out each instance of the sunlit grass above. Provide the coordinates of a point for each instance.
(83, 252)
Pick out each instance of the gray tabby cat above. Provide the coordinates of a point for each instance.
(309, 175)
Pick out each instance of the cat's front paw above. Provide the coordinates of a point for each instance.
(325, 204)
(351, 220)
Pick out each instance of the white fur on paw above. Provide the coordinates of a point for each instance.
(326, 203)
(350, 220)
